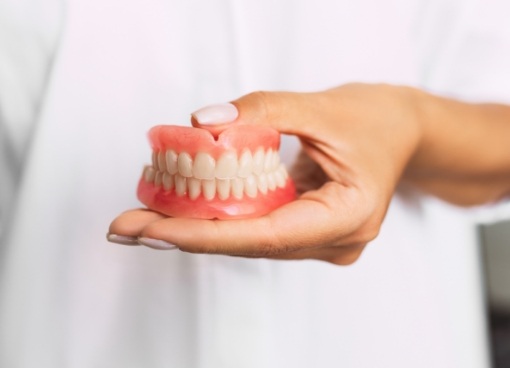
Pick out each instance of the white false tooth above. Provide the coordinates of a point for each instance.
(223, 188)
(209, 189)
(158, 179)
(161, 161)
(262, 183)
(276, 161)
(226, 167)
(258, 161)
(180, 185)
(185, 164)
(280, 180)
(245, 164)
(193, 187)
(271, 181)
(149, 173)
(250, 186)
(283, 170)
(155, 159)
(168, 181)
(268, 160)
(203, 166)
(237, 188)
(171, 162)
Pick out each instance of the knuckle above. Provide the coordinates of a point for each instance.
(266, 103)
(348, 258)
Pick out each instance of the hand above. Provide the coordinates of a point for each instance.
(357, 140)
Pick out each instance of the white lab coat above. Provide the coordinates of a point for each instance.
(84, 80)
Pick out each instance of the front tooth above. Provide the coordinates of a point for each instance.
(262, 183)
(193, 187)
(250, 186)
(237, 188)
(245, 164)
(280, 180)
(203, 166)
(161, 161)
(149, 173)
(171, 162)
(209, 189)
(185, 164)
(258, 161)
(180, 185)
(268, 160)
(159, 178)
(226, 167)
(168, 181)
(223, 188)
(271, 181)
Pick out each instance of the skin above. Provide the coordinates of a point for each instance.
(359, 142)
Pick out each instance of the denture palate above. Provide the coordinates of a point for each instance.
(229, 175)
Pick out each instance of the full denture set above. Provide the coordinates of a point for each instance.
(237, 175)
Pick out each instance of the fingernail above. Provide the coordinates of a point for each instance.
(156, 244)
(122, 239)
(216, 114)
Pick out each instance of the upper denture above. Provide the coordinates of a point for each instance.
(194, 140)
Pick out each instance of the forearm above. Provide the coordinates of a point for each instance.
(464, 153)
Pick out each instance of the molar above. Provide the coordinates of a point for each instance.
(226, 167)
(276, 161)
(283, 170)
(185, 164)
(268, 160)
(203, 166)
(155, 160)
(149, 174)
(279, 178)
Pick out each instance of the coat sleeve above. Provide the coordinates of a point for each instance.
(464, 53)
(29, 33)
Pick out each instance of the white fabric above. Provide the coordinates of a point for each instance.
(69, 299)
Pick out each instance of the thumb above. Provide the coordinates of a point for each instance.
(287, 112)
